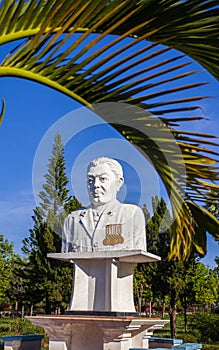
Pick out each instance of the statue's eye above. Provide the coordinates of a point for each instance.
(103, 179)
(90, 180)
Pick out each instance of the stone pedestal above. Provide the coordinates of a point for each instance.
(102, 311)
(97, 332)
(103, 280)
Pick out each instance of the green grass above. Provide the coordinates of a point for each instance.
(210, 346)
(165, 331)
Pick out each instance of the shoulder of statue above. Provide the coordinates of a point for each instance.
(132, 209)
(77, 212)
(131, 206)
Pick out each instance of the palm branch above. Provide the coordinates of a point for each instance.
(140, 53)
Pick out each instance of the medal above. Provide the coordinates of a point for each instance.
(113, 235)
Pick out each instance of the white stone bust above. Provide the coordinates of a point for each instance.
(106, 224)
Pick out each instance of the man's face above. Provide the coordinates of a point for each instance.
(102, 184)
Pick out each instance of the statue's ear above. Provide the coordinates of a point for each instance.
(120, 183)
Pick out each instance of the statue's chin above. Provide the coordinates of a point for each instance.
(99, 201)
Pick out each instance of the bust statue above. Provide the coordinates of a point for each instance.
(106, 224)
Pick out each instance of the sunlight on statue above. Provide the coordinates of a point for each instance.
(106, 224)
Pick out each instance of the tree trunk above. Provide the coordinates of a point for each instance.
(139, 305)
(31, 310)
(22, 312)
(185, 314)
(172, 314)
(163, 309)
(48, 307)
(150, 308)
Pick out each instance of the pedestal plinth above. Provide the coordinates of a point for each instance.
(103, 280)
(97, 333)
(102, 288)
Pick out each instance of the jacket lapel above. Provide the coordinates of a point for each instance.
(86, 221)
(107, 215)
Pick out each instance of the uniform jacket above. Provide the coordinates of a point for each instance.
(120, 226)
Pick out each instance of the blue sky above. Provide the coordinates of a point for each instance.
(33, 115)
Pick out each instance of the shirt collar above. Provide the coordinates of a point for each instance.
(106, 208)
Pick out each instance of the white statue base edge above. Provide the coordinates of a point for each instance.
(97, 333)
(103, 280)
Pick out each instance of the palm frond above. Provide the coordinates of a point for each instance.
(2, 110)
(139, 53)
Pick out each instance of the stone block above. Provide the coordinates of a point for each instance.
(23, 342)
(188, 346)
(155, 342)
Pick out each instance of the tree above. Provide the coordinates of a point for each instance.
(50, 280)
(142, 291)
(17, 292)
(6, 266)
(216, 271)
(167, 277)
(176, 284)
(62, 45)
(205, 285)
(12, 283)
(213, 207)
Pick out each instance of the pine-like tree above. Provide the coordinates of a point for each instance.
(49, 279)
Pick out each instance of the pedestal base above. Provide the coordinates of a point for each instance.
(103, 280)
(102, 313)
(105, 285)
(97, 332)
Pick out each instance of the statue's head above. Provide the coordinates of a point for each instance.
(104, 179)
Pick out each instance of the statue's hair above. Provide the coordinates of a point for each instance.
(114, 165)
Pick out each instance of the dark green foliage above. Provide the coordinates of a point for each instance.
(216, 269)
(173, 285)
(17, 292)
(165, 279)
(7, 258)
(205, 327)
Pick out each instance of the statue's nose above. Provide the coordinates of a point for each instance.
(96, 182)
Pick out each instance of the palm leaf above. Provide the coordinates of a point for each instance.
(128, 51)
(2, 110)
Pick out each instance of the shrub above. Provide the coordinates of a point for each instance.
(17, 326)
(205, 327)
(190, 338)
(4, 329)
